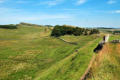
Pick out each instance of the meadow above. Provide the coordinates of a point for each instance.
(107, 64)
(114, 37)
(29, 53)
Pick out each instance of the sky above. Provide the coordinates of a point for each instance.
(83, 13)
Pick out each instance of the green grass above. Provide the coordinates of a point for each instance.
(72, 67)
(110, 31)
(29, 53)
(114, 37)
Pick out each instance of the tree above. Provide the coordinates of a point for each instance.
(70, 30)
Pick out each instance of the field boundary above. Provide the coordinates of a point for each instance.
(62, 61)
(86, 74)
(67, 41)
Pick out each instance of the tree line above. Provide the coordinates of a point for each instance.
(71, 30)
(8, 26)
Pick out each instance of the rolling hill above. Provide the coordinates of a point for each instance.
(29, 53)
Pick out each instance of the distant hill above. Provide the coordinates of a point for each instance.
(104, 28)
(108, 27)
(29, 25)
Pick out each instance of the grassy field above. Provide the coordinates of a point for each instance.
(107, 64)
(114, 37)
(29, 53)
(108, 30)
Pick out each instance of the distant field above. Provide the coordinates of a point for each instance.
(73, 66)
(108, 30)
(114, 37)
(107, 64)
(29, 53)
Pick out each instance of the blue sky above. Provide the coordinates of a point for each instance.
(85, 13)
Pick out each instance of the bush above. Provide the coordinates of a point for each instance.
(8, 26)
(94, 31)
(71, 30)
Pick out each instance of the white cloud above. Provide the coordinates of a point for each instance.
(33, 18)
(117, 11)
(112, 2)
(108, 11)
(21, 2)
(79, 2)
(52, 3)
(71, 9)
(10, 15)
(4, 10)
(43, 17)
(1, 1)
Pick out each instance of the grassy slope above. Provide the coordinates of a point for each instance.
(73, 66)
(27, 53)
(107, 64)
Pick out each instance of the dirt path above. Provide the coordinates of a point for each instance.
(107, 38)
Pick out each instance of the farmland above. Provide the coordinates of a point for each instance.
(29, 53)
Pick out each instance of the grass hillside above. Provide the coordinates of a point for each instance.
(107, 63)
(29, 53)
(73, 66)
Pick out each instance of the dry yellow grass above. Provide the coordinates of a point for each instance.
(107, 65)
